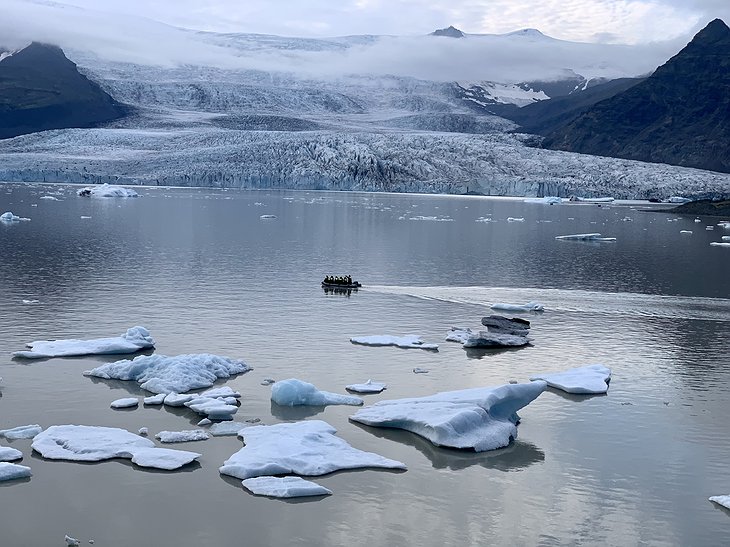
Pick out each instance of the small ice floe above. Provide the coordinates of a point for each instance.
(204, 422)
(547, 200)
(21, 432)
(49, 198)
(607, 199)
(724, 224)
(530, 306)
(30, 302)
(726, 238)
(107, 191)
(294, 392)
(155, 399)
(419, 370)
(214, 408)
(267, 381)
(267, 217)
(367, 387)
(95, 443)
(143, 431)
(594, 236)
(432, 218)
(484, 219)
(721, 500)
(134, 340)
(9, 217)
(8, 454)
(677, 199)
(85, 217)
(303, 448)
(512, 219)
(627, 219)
(126, 402)
(182, 436)
(459, 334)
(687, 232)
(697, 220)
(503, 325)
(176, 399)
(224, 429)
(179, 374)
(409, 341)
(581, 380)
(71, 542)
(284, 487)
(12, 471)
(709, 228)
(486, 339)
(720, 244)
(478, 418)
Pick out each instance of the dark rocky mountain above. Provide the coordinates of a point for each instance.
(449, 32)
(41, 89)
(679, 115)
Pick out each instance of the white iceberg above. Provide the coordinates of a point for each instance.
(182, 436)
(304, 448)
(585, 237)
(367, 387)
(134, 340)
(721, 500)
(126, 402)
(94, 443)
(717, 244)
(8, 454)
(215, 409)
(294, 392)
(267, 217)
(409, 341)
(12, 471)
(223, 429)
(687, 232)
(284, 487)
(478, 418)
(9, 217)
(107, 191)
(530, 306)
(179, 374)
(21, 432)
(582, 380)
(512, 219)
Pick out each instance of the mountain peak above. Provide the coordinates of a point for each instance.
(714, 33)
(529, 32)
(450, 32)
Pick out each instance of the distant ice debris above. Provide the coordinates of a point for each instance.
(432, 218)
(688, 232)
(126, 402)
(484, 219)
(21, 432)
(134, 340)
(581, 380)
(267, 217)
(479, 418)
(592, 200)
(223, 429)
(182, 436)
(726, 238)
(677, 199)
(294, 392)
(721, 500)
(530, 306)
(284, 487)
(179, 374)
(718, 244)
(419, 370)
(547, 200)
(724, 224)
(512, 219)
(107, 191)
(71, 542)
(143, 431)
(367, 387)
(12, 471)
(49, 198)
(585, 237)
(94, 443)
(8, 454)
(709, 228)
(267, 381)
(10, 217)
(28, 302)
(408, 341)
(304, 448)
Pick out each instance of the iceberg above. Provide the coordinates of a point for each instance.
(459, 334)
(213, 408)
(687, 232)
(134, 340)
(503, 325)
(182, 436)
(595, 236)
(284, 487)
(9, 217)
(407, 342)
(179, 374)
(486, 339)
(21, 432)
(294, 392)
(95, 443)
(367, 387)
(479, 418)
(718, 244)
(581, 380)
(512, 219)
(155, 399)
(8, 454)
(267, 217)
(126, 402)
(721, 500)
(530, 306)
(12, 471)
(304, 448)
(726, 238)
(107, 191)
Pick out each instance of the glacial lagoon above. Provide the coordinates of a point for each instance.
(205, 273)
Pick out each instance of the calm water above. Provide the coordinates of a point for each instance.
(204, 273)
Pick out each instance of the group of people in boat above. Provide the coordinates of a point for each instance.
(338, 280)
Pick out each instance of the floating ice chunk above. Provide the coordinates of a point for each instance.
(547, 200)
(203, 422)
(627, 219)
(505, 325)
(94, 443)
(484, 219)
(726, 238)
(678, 199)
(293, 392)
(222, 391)
(530, 306)
(718, 244)
(179, 374)
(107, 191)
(419, 370)
(31, 301)
(12, 471)
(182, 436)
(408, 341)
(267, 217)
(71, 542)
(126, 402)
(134, 340)
(585, 237)
(697, 220)
(143, 431)
(85, 217)
(223, 429)
(8, 216)
(284, 487)
(155, 399)
(175, 399)
(267, 381)
(486, 339)
(21, 432)
(478, 418)
(432, 218)
(8, 454)
(215, 409)
(724, 224)
(49, 198)
(721, 500)
(582, 380)
(304, 448)
(688, 232)
(459, 334)
(708, 228)
(512, 219)
(367, 387)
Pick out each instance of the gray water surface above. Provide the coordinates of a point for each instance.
(205, 273)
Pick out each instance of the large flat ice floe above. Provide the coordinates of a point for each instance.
(530, 306)
(478, 418)
(293, 392)
(179, 374)
(721, 500)
(585, 237)
(407, 342)
(134, 340)
(304, 448)
(582, 380)
(485, 339)
(367, 387)
(21, 432)
(284, 487)
(107, 191)
(93, 443)
(12, 471)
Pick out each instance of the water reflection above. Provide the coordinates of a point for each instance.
(295, 413)
(481, 353)
(574, 397)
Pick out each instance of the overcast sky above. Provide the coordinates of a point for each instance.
(618, 21)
